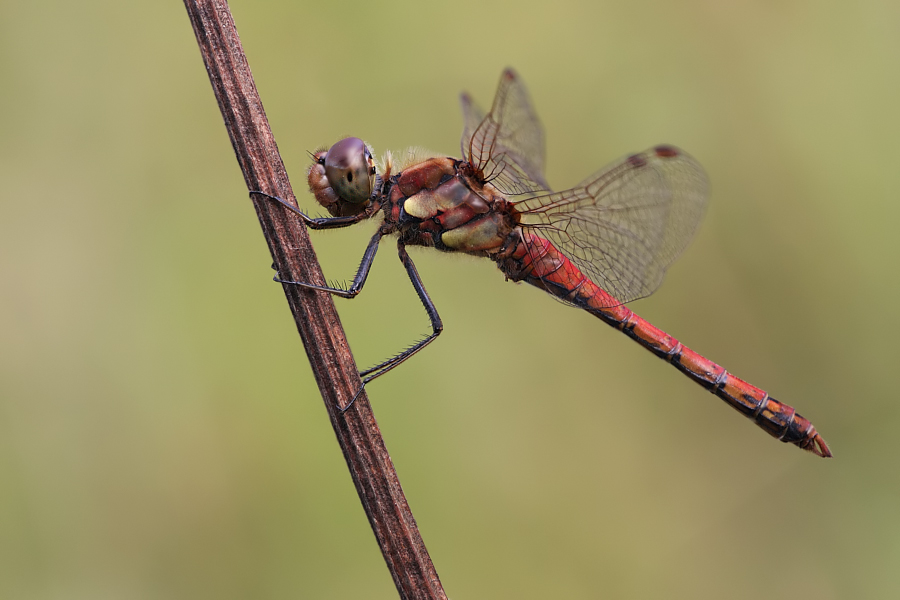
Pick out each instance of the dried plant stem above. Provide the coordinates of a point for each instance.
(317, 321)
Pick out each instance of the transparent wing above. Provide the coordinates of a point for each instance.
(624, 225)
(472, 118)
(507, 144)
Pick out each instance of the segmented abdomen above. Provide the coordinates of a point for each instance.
(537, 261)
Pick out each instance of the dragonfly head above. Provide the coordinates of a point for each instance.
(343, 177)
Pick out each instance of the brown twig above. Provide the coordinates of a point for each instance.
(317, 321)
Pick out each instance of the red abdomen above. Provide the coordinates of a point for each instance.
(536, 261)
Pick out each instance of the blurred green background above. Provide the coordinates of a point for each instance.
(161, 435)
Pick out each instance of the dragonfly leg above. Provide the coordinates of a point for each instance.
(353, 399)
(436, 325)
(314, 222)
(359, 280)
(331, 223)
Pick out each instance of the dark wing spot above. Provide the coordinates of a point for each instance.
(665, 151)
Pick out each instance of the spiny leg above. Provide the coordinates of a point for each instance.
(359, 280)
(436, 328)
(331, 223)
(436, 325)
(317, 222)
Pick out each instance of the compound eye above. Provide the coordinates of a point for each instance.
(350, 170)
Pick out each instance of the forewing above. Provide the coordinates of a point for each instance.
(507, 144)
(472, 118)
(626, 224)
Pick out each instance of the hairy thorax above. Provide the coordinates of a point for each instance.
(437, 203)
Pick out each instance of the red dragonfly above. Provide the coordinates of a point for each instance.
(606, 242)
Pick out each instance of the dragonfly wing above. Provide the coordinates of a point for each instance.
(626, 224)
(472, 118)
(507, 144)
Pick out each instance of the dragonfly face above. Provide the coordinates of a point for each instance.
(343, 177)
(350, 170)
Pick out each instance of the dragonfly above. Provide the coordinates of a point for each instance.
(597, 246)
